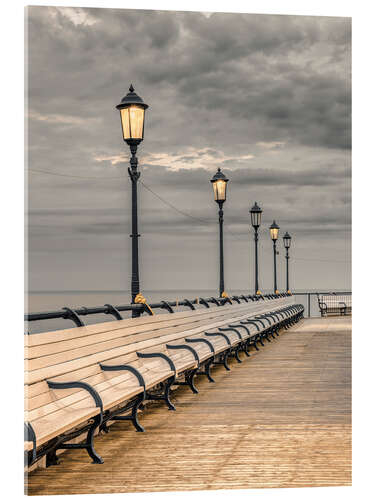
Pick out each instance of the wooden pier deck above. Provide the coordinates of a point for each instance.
(282, 418)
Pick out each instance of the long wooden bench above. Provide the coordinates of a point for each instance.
(79, 379)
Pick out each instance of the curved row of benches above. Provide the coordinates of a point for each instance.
(77, 380)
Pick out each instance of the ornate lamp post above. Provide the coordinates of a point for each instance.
(219, 184)
(287, 240)
(256, 216)
(274, 233)
(132, 113)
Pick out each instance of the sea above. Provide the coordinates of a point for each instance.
(42, 301)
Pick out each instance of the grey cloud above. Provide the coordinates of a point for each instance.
(187, 179)
(222, 84)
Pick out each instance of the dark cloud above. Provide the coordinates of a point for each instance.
(267, 98)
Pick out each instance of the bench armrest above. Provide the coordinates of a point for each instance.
(205, 341)
(215, 301)
(262, 316)
(218, 334)
(167, 306)
(260, 321)
(158, 355)
(204, 302)
(272, 315)
(79, 385)
(184, 346)
(253, 322)
(240, 326)
(134, 371)
(232, 329)
(187, 302)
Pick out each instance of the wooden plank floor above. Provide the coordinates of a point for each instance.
(282, 418)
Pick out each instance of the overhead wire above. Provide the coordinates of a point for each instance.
(173, 207)
(38, 171)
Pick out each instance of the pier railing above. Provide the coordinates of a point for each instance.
(75, 314)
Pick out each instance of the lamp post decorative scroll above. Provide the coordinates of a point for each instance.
(256, 216)
(219, 184)
(274, 233)
(132, 114)
(287, 240)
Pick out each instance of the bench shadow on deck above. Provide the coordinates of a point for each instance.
(282, 418)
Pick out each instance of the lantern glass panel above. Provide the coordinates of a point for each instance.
(287, 242)
(220, 187)
(132, 119)
(255, 218)
(274, 233)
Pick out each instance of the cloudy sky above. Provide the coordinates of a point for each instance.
(267, 98)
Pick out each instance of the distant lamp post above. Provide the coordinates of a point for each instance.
(287, 240)
(219, 184)
(256, 216)
(274, 233)
(132, 113)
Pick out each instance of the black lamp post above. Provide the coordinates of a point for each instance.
(219, 184)
(287, 240)
(132, 114)
(256, 216)
(274, 233)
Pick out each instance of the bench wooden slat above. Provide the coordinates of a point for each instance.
(120, 332)
(126, 339)
(32, 390)
(83, 331)
(54, 370)
(138, 324)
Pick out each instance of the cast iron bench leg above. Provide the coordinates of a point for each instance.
(97, 459)
(223, 360)
(189, 380)
(133, 417)
(254, 343)
(236, 353)
(51, 458)
(165, 395)
(168, 385)
(207, 370)
(207, 367)
(244, 348)
(88, 445)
